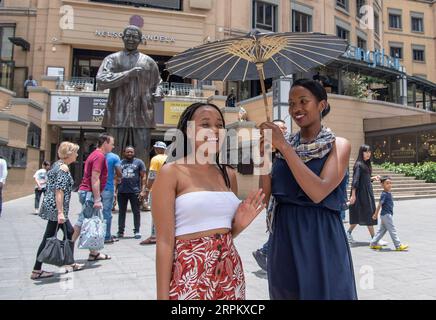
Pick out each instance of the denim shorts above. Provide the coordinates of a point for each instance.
(84, 197)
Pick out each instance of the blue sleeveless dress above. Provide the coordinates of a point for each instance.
(309, 257)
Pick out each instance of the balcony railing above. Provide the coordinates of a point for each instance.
(86, 84)
(77, 84)
(180, 89)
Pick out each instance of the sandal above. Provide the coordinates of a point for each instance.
(98, 256)
(41, 275)
(111, 240)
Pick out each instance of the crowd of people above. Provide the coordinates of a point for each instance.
(305, 196)
(106, 178)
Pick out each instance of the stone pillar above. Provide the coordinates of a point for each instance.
(414, 95)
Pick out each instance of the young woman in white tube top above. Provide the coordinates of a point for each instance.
(197, 214)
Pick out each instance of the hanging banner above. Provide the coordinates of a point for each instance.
(64, 108)
(173, 111)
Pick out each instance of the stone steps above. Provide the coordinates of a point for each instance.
(409, 197)
(404, 182)
(408, 188)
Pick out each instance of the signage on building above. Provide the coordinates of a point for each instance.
(145, 37)
(74, 108)
(173, 111)
(64, 108)
(373, 58)
(92, 109)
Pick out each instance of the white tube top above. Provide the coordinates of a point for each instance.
(205, 210)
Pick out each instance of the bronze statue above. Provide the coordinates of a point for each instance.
(133, 79)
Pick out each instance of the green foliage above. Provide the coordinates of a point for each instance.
(423, 171)
(357, 85)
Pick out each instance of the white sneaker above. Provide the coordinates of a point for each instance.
(36, 211)
(382, 243)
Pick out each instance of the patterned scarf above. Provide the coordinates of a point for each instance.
(315, 149)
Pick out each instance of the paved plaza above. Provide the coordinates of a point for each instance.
(131, 272)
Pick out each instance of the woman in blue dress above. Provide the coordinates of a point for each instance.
(309, 256)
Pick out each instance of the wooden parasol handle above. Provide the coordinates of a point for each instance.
(259, 67)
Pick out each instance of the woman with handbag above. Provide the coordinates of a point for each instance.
(56, 204)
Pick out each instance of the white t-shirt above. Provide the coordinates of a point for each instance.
(41, 176)
(3, 170)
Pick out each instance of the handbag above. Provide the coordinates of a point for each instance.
(93, 229)
(58, 252)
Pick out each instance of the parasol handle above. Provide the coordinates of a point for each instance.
(259, 67)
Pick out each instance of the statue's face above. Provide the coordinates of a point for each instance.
(131, 39)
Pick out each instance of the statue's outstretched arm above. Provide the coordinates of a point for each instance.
(107, 79)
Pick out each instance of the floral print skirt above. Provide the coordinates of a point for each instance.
(207, 268)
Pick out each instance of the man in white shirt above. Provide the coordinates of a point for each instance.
(40, 177)
(3, 175)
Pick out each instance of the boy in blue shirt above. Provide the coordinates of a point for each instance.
(387, 224)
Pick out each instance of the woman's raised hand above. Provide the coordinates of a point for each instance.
(277, 138)
(249, 209)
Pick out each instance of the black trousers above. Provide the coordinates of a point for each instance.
(38, 194)
(50, 232)
(123, 199)
(139, 138)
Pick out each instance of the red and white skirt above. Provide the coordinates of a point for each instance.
(207, 268)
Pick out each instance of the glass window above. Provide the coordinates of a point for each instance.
(380, 147)
(34, 135)
(376, 23)
(403, 148)
(15, 157)
(301, 22)
(6, 46)
(418, 55)
(268, 15)
(396, 52)
(427, 145)
(342, 33)
(265, 16)
(417, 24)
(361, 43)
(342, 4)
(394, 21)
(6, 74)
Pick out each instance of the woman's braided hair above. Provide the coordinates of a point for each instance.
(183, 127)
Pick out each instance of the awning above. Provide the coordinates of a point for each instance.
(364, 68)
(18, 41)
(422, 84)
(382, 73)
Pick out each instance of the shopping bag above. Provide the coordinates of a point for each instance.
(93, 231)
(58, 252)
